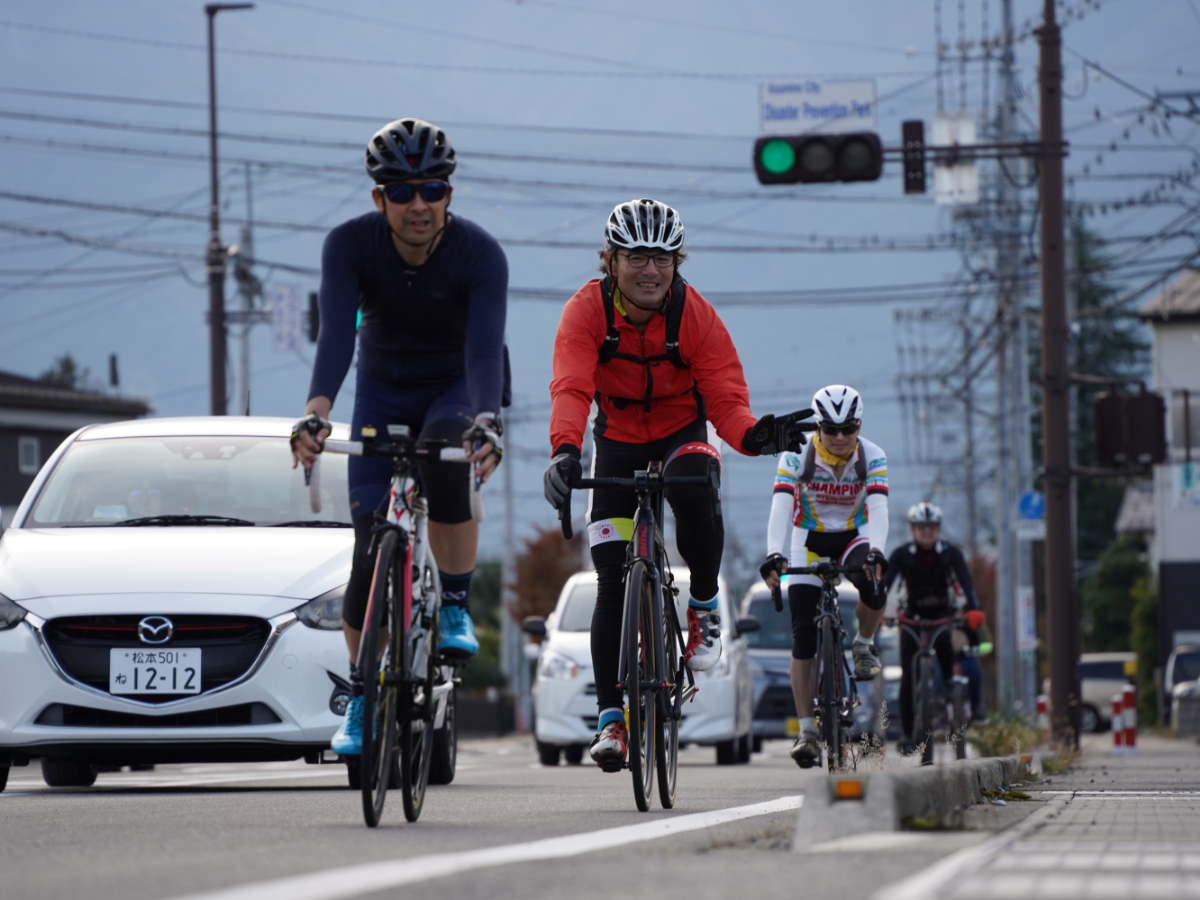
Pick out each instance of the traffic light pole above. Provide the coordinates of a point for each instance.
(1061, 600)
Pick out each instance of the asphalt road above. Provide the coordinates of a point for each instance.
(184, 830)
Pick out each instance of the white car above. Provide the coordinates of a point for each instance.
(565, 714)
(155, 605)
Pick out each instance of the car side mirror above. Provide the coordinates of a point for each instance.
(534, 625)
(748, 624)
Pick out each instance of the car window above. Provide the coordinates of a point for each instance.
(577, 612)
(1187, 667)
(776, 631)
(1105, 671)
(104, 482)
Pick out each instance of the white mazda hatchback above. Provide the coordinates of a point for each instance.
(167, 595)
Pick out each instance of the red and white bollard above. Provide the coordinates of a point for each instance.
(1043, 716)
(1129, 719)
(1118, 727)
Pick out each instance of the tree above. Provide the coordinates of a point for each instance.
(66, 373)
(543, 569)
(1143, 638)
(1108, 595)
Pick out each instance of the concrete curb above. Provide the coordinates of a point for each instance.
(937, 794)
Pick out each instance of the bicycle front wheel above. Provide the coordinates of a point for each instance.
(831, 697)
(924, 713)
(417, 707)
(380, 660)
(958, 706)
(667, 749)
(639, 655)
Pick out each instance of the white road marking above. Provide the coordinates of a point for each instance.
(188, 782)
(872, 840)
(352, 881)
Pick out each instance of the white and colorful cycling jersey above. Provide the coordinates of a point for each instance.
(829, 503)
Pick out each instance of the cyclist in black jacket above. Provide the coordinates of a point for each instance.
(933, 572)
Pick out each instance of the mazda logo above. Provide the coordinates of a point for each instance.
(155, 630)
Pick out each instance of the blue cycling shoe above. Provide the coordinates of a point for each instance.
(457, 633)
(347, 741)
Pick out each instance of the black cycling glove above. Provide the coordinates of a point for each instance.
(487, 429)
(563, 473)
(776, 563)
(313, 424)
(772, 435)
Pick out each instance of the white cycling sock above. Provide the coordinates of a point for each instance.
(859, 639)
(807, 725)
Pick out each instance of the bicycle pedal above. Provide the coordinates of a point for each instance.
(613, 768)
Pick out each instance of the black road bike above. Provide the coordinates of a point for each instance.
(653, 675)
(930, 714)
(836, 689)
(408, 688)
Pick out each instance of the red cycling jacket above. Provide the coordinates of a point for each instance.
(712, 382)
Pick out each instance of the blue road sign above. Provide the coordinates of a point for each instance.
(1032, 505)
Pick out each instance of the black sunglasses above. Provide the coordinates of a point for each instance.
(404, 191)
(847, 429)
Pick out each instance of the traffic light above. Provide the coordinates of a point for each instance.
(912, 135)
(808, 159)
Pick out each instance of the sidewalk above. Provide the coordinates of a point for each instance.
(1113, 827)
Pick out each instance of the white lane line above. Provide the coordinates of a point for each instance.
(929, 882)
(352, 881)
(245, 778)
(873, 840)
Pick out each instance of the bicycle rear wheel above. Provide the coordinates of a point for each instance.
(639, 656)
(380, 670)
(667, 750)
(924, 698)
(416, 727)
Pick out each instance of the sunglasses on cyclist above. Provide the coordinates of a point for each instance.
(831, 430)
(404, 192)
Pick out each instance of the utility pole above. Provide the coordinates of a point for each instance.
(247, 285)
(215, 254)
(512, 657)
(1056, 407)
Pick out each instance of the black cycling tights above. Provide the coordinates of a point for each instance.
(447, 489)
(699, 535)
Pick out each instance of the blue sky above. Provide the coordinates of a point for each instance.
(120, 116)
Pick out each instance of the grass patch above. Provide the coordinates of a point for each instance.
(1004, 734)
(1059, 761)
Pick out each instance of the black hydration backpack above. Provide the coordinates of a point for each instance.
(674, 314)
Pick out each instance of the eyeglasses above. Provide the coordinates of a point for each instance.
(640, 260)
(847, 429)
(405, 191)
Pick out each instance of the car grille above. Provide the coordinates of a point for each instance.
(67, 716)
(776, 702)
(229, 646)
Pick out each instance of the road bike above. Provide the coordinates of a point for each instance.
(653, 674)
(836, 689)
(408, 688)
(930, 714)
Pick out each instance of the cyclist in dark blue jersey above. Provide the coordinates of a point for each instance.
(431, 288)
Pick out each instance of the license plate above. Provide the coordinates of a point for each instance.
(154, 671)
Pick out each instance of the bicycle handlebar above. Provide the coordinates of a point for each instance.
(644, 484)
(355, 448)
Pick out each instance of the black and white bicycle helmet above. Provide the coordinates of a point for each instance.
(924, 513)
(409, 148)
(837, 404)
(644, 224)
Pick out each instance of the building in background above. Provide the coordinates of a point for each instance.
(1174, 317)
(35, 418)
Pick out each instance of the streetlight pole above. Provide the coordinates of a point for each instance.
(1061, 600)
(215, 255)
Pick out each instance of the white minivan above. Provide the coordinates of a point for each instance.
(720, 715)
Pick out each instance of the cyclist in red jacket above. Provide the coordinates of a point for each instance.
(654, 356)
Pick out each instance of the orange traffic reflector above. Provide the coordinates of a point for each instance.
(848, 789)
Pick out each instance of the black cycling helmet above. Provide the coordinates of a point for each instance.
(409, 148)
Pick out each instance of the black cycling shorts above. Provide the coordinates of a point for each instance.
(804, 596)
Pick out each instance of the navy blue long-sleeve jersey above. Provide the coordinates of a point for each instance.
(422, 326)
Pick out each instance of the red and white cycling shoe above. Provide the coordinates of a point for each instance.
(704, 639)
(610, 746)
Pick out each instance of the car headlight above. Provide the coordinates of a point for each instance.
(324, 612)
(10, 613)
(555, 665)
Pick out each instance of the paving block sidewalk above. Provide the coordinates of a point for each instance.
(1113, 827)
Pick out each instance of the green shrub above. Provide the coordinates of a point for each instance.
(1005, 734)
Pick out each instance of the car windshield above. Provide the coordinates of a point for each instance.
(577, 613)
(776, 631)
(1106, 670)
(1187, 666)
(112, 481)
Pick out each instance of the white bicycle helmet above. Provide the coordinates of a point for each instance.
(924, 513)
(646, 224)
(837, 404)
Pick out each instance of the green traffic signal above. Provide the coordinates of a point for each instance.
(777, 156)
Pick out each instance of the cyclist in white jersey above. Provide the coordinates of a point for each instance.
(832, 496)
